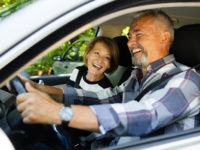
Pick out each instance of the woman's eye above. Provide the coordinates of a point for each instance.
(108, 58)
(97, 53)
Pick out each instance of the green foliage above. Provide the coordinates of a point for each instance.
(73, 50)
(8, 7)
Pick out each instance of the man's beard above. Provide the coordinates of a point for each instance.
(142, 62)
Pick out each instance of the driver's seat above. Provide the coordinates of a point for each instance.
(186, 45)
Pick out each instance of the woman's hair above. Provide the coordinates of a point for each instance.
(113, 51)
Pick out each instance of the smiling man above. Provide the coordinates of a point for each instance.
(173, 104)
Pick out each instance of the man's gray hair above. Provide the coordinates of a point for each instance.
(160, 15)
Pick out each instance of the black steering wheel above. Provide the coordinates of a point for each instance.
(24, 135)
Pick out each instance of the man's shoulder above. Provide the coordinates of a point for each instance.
(189, 77)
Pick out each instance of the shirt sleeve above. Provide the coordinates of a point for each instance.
(174, 102)
(83, 97)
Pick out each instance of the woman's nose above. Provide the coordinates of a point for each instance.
(100, 59)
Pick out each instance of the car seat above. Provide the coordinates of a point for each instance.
(186, 45)
(125, 63)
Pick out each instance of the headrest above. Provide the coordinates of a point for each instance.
(186, 45)
(124, 53)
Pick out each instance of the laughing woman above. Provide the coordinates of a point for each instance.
(101, 56)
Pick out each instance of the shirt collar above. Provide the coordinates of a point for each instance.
(161, 62)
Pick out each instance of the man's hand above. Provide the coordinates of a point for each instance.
(24, 80)
(38, 107)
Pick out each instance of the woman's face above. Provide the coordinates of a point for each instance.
(98, 59)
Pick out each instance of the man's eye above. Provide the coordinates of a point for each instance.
(138, 34)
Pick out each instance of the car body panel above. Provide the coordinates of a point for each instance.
(189, 139)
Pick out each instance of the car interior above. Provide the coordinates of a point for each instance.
(187, 44)
(189, 34)
(185, 48)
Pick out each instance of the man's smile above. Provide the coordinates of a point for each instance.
(136, 50)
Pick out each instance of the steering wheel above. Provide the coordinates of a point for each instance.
(28, 134)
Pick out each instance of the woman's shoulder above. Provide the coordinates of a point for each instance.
(105, 83)
(81, 68)
(76, 71)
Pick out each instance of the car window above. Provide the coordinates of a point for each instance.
(64, 58)
(67, 56)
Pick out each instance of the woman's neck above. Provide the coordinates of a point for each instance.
(93, 77)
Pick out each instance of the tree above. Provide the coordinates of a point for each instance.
(8, 7)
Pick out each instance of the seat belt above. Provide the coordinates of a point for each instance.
(80, 74)
(150, 87)
(146, 90)
(154, 84)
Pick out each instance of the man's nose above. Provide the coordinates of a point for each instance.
(132, 41)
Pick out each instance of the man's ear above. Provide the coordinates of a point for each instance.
(166, 37)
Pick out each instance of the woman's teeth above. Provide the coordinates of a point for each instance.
(97, 66)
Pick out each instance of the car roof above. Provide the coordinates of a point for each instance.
(185, 14)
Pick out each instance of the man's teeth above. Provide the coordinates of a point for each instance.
(97, 66)
(136, 50)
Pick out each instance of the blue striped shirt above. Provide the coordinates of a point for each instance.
(173, 104)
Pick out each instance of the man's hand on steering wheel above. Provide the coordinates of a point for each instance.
(38, 107)
(29, 100)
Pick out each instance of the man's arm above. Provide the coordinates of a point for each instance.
(84, 118)
(55, 93)
(72, 95)
(38, 107)
(178, 101)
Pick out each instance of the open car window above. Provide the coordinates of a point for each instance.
(64, 58)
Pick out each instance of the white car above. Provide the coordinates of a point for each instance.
(33, 31)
